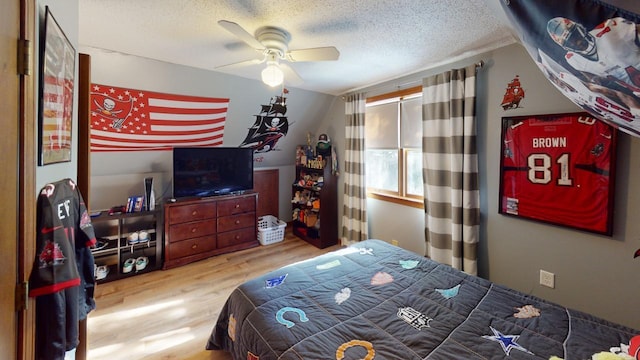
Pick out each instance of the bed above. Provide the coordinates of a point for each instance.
(375, 300)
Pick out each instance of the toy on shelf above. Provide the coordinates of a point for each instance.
(323, 147)
(296, 197)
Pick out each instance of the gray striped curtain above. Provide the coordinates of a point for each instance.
(450, 168)
(354, 215)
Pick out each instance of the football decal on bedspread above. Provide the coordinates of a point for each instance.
(289, 324)
(527, 312)
(342, 296)
(381, 278)
(408, 264)
(329, 265)
(508, 342)
(271, 283)
(449, 293)
(231, 328)
(365, 344)
(365, 251)
(414, 317)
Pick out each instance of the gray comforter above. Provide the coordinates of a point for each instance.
(377, 301)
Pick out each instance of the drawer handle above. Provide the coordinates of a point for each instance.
(194, 213)
(193, 230)
(194, 246)
(237, 222)
(237, 237)
(237, 206)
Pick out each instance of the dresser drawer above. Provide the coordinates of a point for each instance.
(231, 238)
(193, 212)
(190, 247)
(235, 222)
(237, 206)
(193, 229)
(200, 228)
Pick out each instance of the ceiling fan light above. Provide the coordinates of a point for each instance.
(272, 75)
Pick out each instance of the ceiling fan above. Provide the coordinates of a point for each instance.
(273, 43)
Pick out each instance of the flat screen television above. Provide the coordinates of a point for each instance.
(210, 171)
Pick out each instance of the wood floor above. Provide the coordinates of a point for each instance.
(169, 314)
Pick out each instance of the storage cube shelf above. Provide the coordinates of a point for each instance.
(115, 230)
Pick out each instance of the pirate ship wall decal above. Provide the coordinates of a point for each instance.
(270, 126)
(513, 94)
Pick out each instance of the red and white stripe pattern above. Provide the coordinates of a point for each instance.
(135, 120)
(57, 113)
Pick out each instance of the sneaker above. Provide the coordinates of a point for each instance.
(100, 244)
(143, 237)
(128, 265)
(133, 238)
(141, 263)
(101, 272)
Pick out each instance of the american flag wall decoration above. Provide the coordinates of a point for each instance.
(136, 120)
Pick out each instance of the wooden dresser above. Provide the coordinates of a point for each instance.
(197, 229)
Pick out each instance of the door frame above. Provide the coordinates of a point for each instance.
(26, 173)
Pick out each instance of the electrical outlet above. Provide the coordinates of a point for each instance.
(547, 279)
(394, 242)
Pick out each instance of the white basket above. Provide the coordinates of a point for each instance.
(270, 230)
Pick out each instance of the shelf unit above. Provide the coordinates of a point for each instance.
(115, 230)
(324, 233)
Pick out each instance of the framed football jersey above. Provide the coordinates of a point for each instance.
(559, 169)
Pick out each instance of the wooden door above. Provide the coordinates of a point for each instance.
(18, 178)
(84, 128)
(266, 183)
(9, 29)
(84, 162)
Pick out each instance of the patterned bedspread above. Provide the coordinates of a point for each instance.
(377, 301)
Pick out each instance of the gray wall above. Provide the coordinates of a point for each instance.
(117, 175)
(594, 273)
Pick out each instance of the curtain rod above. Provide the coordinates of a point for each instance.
(479, 65)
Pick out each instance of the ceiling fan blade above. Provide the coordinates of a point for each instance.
(241, 33)
(241, 64)
(290, 75)
(313, 54)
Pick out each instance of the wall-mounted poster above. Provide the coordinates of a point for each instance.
(56, 94)
(590, 51)
(559, 169)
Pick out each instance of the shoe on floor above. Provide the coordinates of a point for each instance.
(143, 236)
(128, 265)
(133, 238)
(141, 263)
(101, 272)
(100, 244)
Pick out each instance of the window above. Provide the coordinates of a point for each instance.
(393, 140)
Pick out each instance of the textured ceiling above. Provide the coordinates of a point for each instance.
(378, 40)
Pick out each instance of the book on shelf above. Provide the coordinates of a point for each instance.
(135, 203)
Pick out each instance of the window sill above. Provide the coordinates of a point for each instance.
(416, 203)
